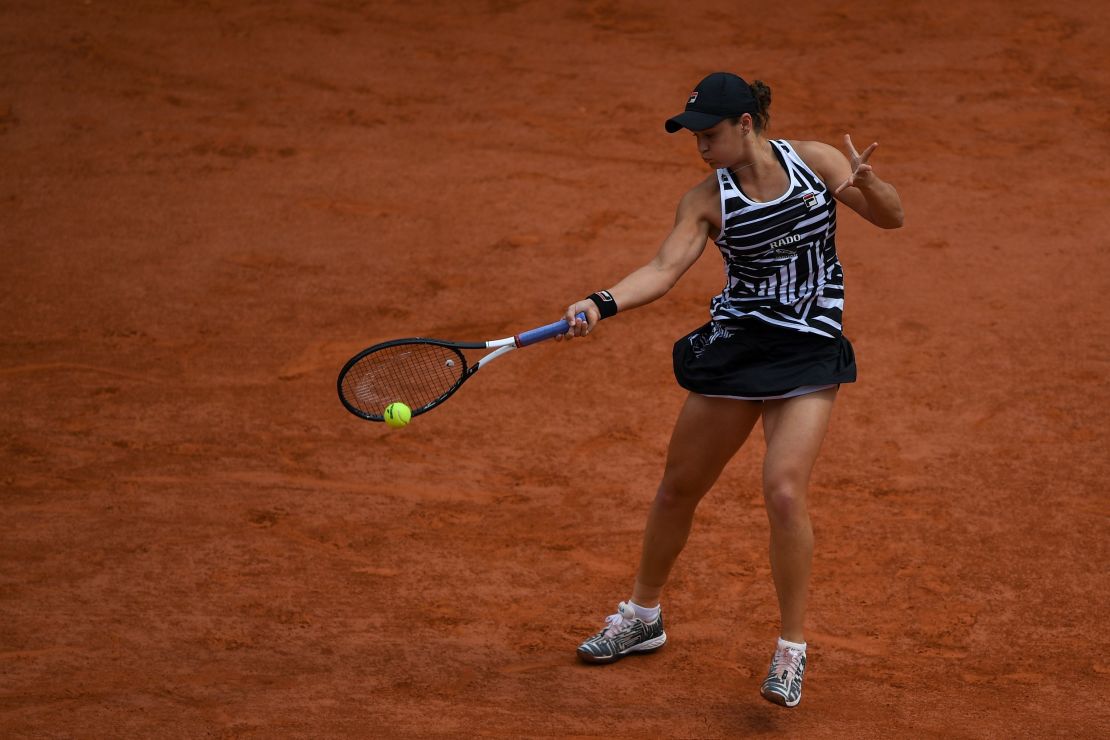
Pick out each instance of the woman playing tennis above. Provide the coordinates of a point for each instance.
(773, 348)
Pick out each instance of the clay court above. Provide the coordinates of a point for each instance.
(206, 208)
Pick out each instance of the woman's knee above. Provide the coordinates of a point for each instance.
(678, 494)
(785, 499)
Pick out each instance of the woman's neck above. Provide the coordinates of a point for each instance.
(758, 157)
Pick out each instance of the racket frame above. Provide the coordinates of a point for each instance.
(499, 346)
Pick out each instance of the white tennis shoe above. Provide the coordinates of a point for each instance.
(623, 633)
(783, 684)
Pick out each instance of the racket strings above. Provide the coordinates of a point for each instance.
(416, 374)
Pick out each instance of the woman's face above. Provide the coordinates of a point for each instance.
(723, 145)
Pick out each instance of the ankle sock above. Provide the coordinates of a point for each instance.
(796, 645)
(646, 613)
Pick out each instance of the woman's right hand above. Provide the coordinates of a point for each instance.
(578, 327)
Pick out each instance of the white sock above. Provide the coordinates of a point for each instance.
(796, 645)
(646, 613)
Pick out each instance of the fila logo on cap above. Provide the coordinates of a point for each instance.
(693, 97)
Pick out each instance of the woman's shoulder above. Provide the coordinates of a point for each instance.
(702, 201)
(704, 195)
(708, 185)
(812, 152)
(817, 155)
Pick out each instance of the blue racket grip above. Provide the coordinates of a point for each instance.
(545, 332)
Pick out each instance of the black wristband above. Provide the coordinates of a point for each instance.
(603, 299)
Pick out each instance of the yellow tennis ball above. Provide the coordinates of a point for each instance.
(397, 415)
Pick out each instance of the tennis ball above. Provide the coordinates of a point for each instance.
(397, 415)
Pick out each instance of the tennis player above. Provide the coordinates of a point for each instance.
(772, 349)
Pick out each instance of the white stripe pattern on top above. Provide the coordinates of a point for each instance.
(781, 265)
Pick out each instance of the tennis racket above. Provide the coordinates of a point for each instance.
(421, 373)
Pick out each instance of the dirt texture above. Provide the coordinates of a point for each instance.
(205, 208)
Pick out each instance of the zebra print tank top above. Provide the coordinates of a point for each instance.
(780, 256)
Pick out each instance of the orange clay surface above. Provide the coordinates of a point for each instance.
(205, 208)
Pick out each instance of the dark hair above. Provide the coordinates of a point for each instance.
(761, 118)
(762, 93)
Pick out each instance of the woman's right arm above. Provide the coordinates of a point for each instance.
(679, 251)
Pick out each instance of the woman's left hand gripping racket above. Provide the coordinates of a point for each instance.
(421, 373)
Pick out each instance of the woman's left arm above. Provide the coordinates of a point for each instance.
(853, 181)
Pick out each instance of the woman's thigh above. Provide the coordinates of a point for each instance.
(794, 429)
(706, 435)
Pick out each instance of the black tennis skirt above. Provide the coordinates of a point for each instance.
(750, 358)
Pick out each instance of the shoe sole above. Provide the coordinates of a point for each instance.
(776, 698)
(649, 646)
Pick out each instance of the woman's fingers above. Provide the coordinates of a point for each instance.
(855, 157)
(577, 327)
(857, 161)
(851, 149)
(867, 152)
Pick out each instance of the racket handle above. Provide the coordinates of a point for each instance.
(545, 332)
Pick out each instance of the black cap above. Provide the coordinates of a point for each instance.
(719, 96)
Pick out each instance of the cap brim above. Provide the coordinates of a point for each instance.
(692, 120)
